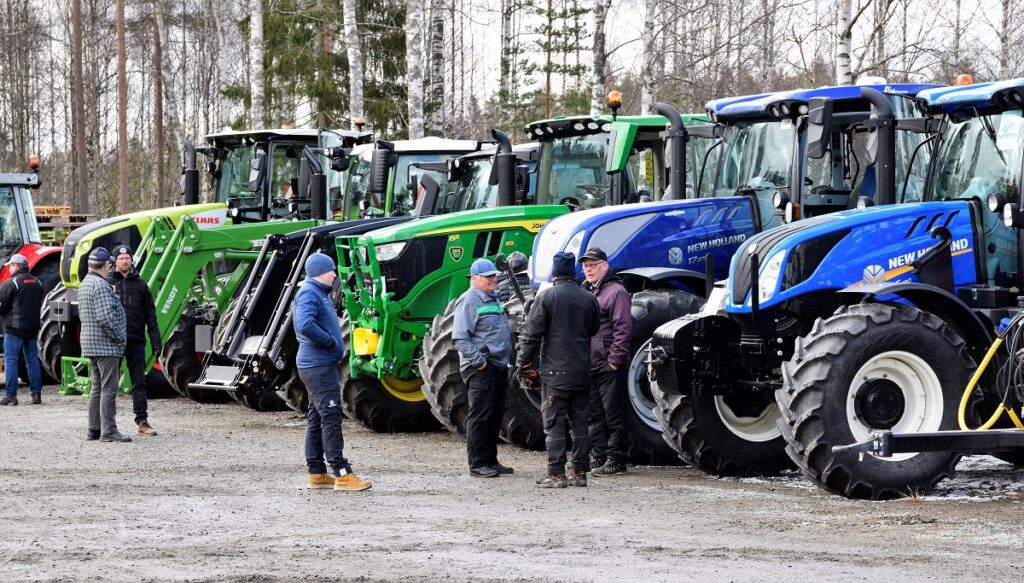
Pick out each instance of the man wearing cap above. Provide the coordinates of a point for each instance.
(103, 338)
(482, 338)
(136, 299)
(321, 348)
(609, 360)
(21, 296)
(559, 327)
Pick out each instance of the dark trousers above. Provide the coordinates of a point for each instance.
(14, 347)
(135, 358)
(609, 429)
(486, 395)
(323, 420)
(559, 407)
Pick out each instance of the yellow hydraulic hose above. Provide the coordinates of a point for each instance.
(962, 412)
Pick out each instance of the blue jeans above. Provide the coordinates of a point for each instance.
(14, 346)
(323, 420)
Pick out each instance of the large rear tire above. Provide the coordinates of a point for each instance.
(650, 309)
(182, 366)
(389, 405)
(872, 367)
(443, 386)
(51, 344)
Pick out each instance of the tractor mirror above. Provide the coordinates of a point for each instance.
(380, 168)
(522, 187)
(340, 164)
(257, 173)
(819, 127)
(449, 202)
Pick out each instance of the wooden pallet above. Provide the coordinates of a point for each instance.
(57, 222)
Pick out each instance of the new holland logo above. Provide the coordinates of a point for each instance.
(874, 274)
(456, 253)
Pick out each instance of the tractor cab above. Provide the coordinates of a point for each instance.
(256, 172)
(19, 230)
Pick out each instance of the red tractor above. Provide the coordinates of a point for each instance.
(19, 231)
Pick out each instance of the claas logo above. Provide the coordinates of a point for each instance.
(206, 220)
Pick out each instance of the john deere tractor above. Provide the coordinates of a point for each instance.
(398, 279)
(251, 351)
(254, 177)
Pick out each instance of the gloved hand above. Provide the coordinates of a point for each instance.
(529, 377)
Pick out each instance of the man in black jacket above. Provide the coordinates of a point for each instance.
(559, 327)
(134, 294)
(21, 297)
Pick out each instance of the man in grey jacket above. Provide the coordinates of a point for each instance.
(103, 339)
(481, 335)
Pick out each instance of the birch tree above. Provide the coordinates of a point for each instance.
(414, 66)
(647, 73)
(122, 112)
(437, 66)
(78, 115)
(844, 76)
(599, 56)
(257, 114)
(355, 63)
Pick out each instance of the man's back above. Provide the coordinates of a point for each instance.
(21, 298)
(563, 319)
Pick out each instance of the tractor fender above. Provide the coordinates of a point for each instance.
(37, 254)
(951, 309)
(654, 277)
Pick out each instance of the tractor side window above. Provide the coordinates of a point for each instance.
(907, 143)
(284, 167)
(234, 173)
(404, 200)
(359, 181)
(10, 232)
(474, 190)
(28, 215)
(758, 158)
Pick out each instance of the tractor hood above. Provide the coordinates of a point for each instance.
(858, 247)
(675, 234)
(531, 218)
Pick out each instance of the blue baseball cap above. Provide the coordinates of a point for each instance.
(484, 267)
(100, 255)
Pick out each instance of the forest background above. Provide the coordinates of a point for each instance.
(452, 68)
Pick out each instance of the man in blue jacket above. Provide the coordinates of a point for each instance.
(320, 349)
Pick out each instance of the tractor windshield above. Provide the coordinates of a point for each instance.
(474, 190)
(757, 156)
(572, 170)
(979, 156)
(406, 180)
(10, 229)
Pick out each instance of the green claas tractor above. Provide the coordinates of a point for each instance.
(251, 351)
(396, 280)
(255, 177)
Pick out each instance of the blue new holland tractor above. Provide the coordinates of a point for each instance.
(670, 252)
(858, 332)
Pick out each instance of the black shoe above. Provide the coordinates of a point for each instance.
(483, 472)
(578, 479)
(37, 399)
(610, 469)
(92, 434)
(596, 463)
(116, 437)
(9, 400)
(502, 469)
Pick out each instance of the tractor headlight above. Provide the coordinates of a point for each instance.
(85, 246)
(390, 251)
(574, 244)
(768, 282)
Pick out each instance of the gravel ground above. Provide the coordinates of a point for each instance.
(219, 495)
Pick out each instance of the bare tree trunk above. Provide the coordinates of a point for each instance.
(158, 115)
(167, 80)
(326, 45)
(647, 75)
(414, 65)
(78, 117)
(257, 114)
(844, 76)
(600, 57)
(505, 87)
(355, 62)
(225, 63)
(122, 113)
(548, 65)
(1005, 40)
(437, 17)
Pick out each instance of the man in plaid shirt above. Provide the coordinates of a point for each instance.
(103, 342)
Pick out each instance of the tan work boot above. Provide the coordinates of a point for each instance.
(351, 482)
(146, 429)
(320, 482)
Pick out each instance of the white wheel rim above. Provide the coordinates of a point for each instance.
(758, 429)
(922, 395)
(642, 404)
